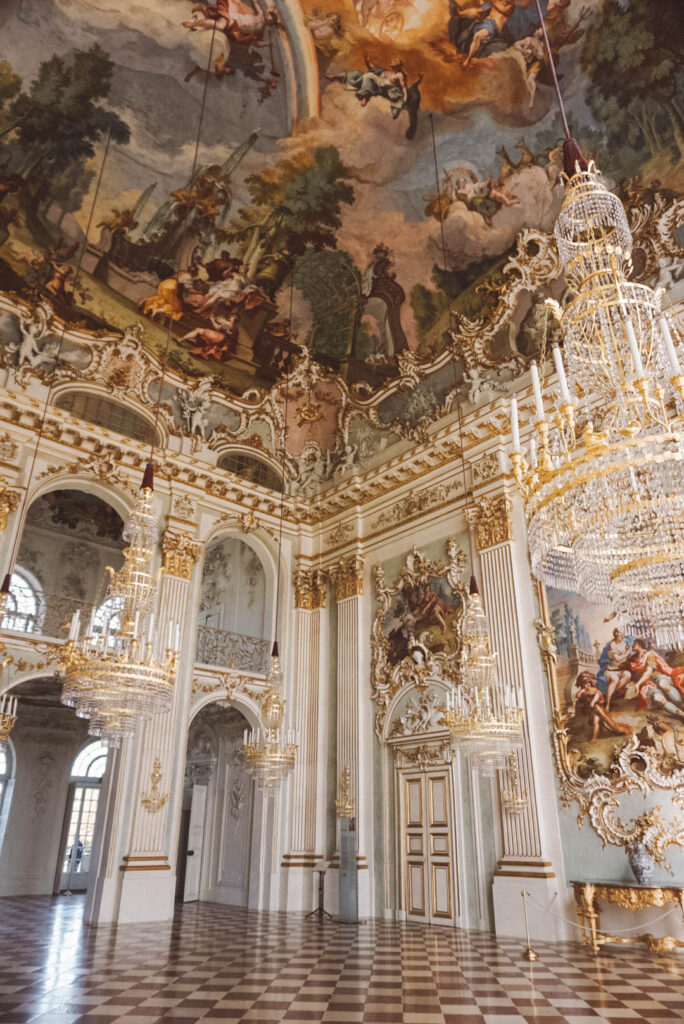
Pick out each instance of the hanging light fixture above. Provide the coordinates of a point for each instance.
(270, 750)
(605, 506)
(482, 715)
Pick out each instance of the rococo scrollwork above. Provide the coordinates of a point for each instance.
(416, 634)
(637, 765)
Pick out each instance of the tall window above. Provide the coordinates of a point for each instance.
(24, 605)
(102, 412)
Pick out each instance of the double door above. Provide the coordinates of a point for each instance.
(427, 847)
(80, 834)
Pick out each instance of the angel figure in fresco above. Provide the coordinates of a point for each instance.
(242, 27)
(590, 703)
(389, 83)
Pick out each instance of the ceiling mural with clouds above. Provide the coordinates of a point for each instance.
(284, 174)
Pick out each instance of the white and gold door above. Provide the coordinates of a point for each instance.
(427, 847)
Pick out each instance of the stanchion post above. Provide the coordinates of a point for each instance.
(528, 953)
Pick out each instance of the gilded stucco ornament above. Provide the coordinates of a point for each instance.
(491, 520)
(155, 799)
(416, 633)
(9, 502)
(311, 588)
(347, 575)
(633, 768)
(179, 554)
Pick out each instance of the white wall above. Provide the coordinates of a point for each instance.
(46, 740)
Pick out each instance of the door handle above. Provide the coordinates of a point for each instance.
(190, 853)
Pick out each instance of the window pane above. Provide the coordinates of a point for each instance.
(23, 606)
(104, 413)
(249, 468)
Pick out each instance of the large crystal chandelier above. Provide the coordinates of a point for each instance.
(122, 670)
(605, 504)
(482, 715)
(270, 750)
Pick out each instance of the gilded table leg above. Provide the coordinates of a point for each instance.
(592, 917)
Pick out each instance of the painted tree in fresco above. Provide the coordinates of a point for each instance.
(52, 127)
(296, 206)
(10, 87)
(634, 55)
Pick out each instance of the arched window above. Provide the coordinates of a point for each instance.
(102, 412)
(248, 467)
(24, 605)
(91, 762)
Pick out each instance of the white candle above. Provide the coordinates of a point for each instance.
(150, 629)
(515, 426)
(669, 346)
(178, 636)
(14, 707)
(73, 628)
(244, 738)
(2, 704)
(536, 387)
(562, 379)
(533, 452)
(634, 349)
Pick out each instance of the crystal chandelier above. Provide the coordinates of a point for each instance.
(270, 750)
(121, 674)
(134, 585)
(8, 716)
(482, 716)
(605, 504)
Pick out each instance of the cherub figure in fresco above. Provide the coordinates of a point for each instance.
(389, 83)
(240, 25)
(590, 703)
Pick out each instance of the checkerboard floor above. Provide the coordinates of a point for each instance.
(216, 964)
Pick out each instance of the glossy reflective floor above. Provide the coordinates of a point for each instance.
(216, 963)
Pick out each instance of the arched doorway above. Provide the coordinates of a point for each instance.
(80, 819)
(68, 539)
(216, 845)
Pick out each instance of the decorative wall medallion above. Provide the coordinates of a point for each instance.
(342, 532)
(486, 467)
(422, 713)
(618, 724)
(183, 507)
(154, 800)
(416, 632)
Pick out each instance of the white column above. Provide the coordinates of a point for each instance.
(137, 877)
(532, 854)
(309, 775)
(354, 725)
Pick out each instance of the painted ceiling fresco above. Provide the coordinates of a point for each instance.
(258, 176)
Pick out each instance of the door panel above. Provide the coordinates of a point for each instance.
(82, 814)
(193, 864)
(426, 845)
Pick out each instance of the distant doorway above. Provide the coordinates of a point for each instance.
(81, 815)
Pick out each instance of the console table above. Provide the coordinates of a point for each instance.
(632, 896)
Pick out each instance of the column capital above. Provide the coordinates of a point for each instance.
(179, 553)
(347, 576)
(492, 521)
(310, 588)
